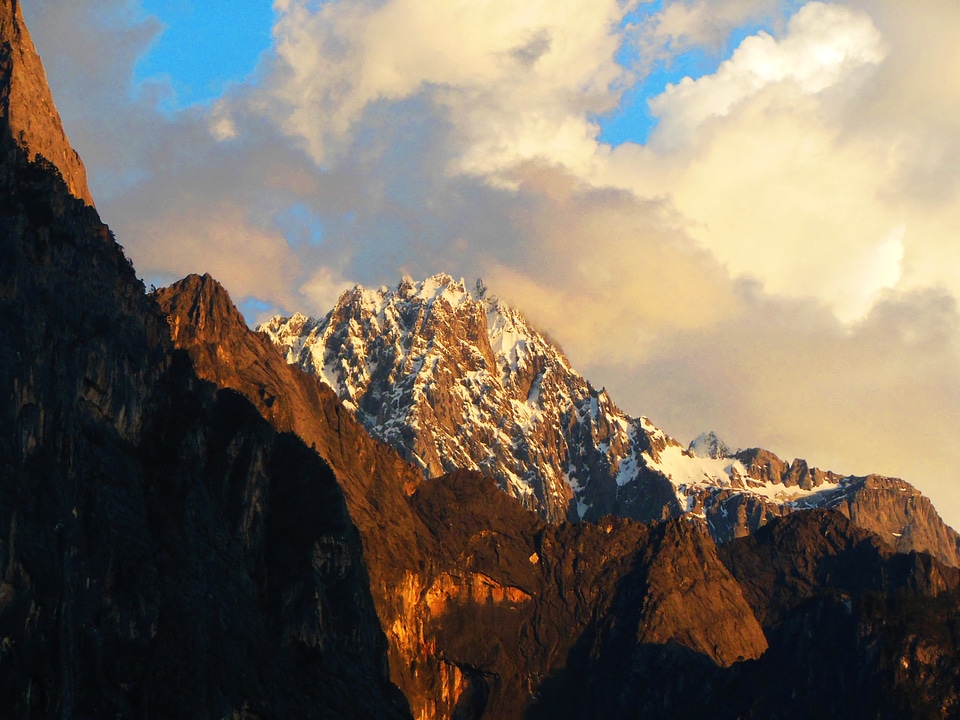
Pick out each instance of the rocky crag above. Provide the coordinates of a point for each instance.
(493, 613)
(457, 380)
(479, 598)
(26, 105)
(164, 551)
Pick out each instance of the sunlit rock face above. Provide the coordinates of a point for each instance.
(454, 379)
(26, 106)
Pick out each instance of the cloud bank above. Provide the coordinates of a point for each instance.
(778, 262)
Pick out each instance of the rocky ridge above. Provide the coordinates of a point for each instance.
(457, 381)
(479, 598)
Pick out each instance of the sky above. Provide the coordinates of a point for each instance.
(737, 215)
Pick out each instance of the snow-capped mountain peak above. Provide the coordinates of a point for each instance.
(457, 381)
(454, 380)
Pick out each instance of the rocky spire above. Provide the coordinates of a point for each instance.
(27, 113)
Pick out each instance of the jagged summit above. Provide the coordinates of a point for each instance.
(457, 380)
(708, 446)
(451, 380)
(27, 112)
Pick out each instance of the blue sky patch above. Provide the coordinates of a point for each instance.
(632, 121)
(255, 311)
(300, 226)
(206, 44)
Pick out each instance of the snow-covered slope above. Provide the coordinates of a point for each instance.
(460, 380)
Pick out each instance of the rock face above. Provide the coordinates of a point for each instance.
(479, 598)
(453, 381)
(375, 480)
(791, 560)
(521, 598)
(866, 633)
(164, 551)
(854, 631)
(492, 613)
(26, 106)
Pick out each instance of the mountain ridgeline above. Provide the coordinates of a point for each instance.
(492, 613)
(191, 527)
(457, 381)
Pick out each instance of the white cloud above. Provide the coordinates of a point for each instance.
(602, 270)
(757, 156)
(684, 24)
(324, 287)
(219, 239)
(824, 44)
(516, 81)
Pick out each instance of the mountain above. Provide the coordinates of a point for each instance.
(480, 600)
(457, 381)
(492, 613)
(238, 547)
(164, 551)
